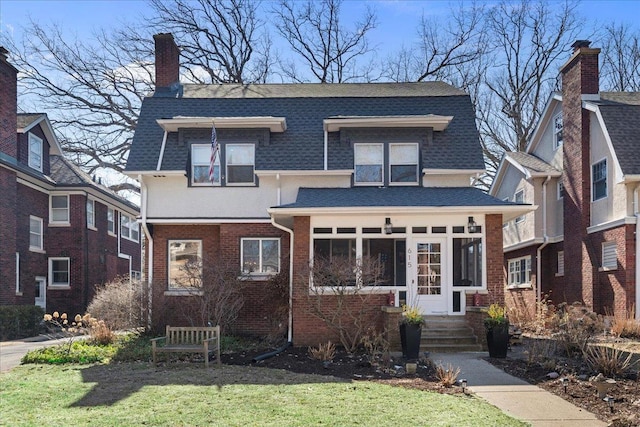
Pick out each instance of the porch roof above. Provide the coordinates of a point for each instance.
(399, 199)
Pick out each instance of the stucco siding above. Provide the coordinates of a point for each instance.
(546, 149)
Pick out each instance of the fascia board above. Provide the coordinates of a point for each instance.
(438, 123)
(274, 124)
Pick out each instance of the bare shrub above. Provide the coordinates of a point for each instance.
(575, 327)
(609, 361)
(447, 376)
(325, 352)
(215, 293)
(342, 293)
(624, 325)
(375, 346)
(276, 291)
(120, 303)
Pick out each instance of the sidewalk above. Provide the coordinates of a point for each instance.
(11, 352)
(514, 396)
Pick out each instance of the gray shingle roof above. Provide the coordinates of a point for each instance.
(629, 98)
(533, 163)
(25, 119)
(394, 197)
(305, 106)
(623, 123)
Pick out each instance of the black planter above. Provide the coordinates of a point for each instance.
(498, 340)
(410, 334)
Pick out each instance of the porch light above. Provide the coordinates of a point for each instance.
(472, 226)
(388, 227)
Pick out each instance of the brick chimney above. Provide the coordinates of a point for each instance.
(167, 60)
(580, 80)
(8, 106)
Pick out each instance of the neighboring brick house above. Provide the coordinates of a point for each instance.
(338, 169)
(582, 168)
(61, 233)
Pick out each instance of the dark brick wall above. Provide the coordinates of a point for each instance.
(8, 187)
(167, 60)
(8, 107)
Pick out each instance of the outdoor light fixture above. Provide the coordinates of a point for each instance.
(463, 384)
(565, 383)
(388, 227)
(609, 400)
(472, 226)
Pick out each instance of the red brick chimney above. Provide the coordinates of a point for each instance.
(580, 80)
(8, 106)
(167, 60)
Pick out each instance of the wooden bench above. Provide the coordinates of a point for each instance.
(188, 340)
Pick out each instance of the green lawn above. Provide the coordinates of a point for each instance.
(135, 394)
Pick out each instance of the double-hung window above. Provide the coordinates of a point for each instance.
(240, 163)
(520, 271)
(91, 213)
(59, 209)
(200, 164)
(59, 269)
(111, 221)
(403, 163)
(35, 152)
(368, 164)
(599, 179)
(260, 255)
(35, 234)
(185, 264)
(557, 130)
(129, 228)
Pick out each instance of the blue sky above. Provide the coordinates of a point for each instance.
(397, 18)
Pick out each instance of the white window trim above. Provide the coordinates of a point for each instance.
(256, 275)
(417, 153)
(527, 284)
(177, 290)
(555, 131)
(54, 223)
(41, 142)
(606, 181)
(521, 218)
(560, 257)
(226, 165)
(132, 220)
(114, 222)
(606, 247)
(217, 162)
(91, 202)
(66, 285)
(368, 183)
(39, 248)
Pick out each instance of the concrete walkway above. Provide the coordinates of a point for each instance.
(11, 352)
(514, 396)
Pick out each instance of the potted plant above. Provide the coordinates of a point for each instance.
(411, 332)
(497, 327)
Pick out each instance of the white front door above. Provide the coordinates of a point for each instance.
(41, 292)
(427, 261)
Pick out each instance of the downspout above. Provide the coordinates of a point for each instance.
(326, 149)
(545, 241)
(636, 209)
(290, 320)
(143, 222)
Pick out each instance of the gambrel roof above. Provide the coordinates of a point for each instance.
(305, 107)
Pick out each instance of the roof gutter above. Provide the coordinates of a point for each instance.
(545, 241)
(147, 233)
(290, 320)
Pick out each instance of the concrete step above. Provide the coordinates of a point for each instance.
(449, 348)
(462, 330)
(469, 339)
(447, 334)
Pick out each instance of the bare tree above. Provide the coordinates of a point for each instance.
(221, 41)
(529, 40)
(342, 295)
(444, 49)
(620, 58)
(316, 35)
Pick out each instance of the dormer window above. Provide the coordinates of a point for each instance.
(368, 164)
(557, 130)
(35, 152)
(403, 163)
(200, 163)
(240, 159)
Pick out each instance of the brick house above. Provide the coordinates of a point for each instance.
(582, 168)
(60, 231)
(342, 170)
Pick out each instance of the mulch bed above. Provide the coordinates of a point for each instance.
(580, 391)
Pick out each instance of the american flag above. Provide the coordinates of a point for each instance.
(214, 151)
